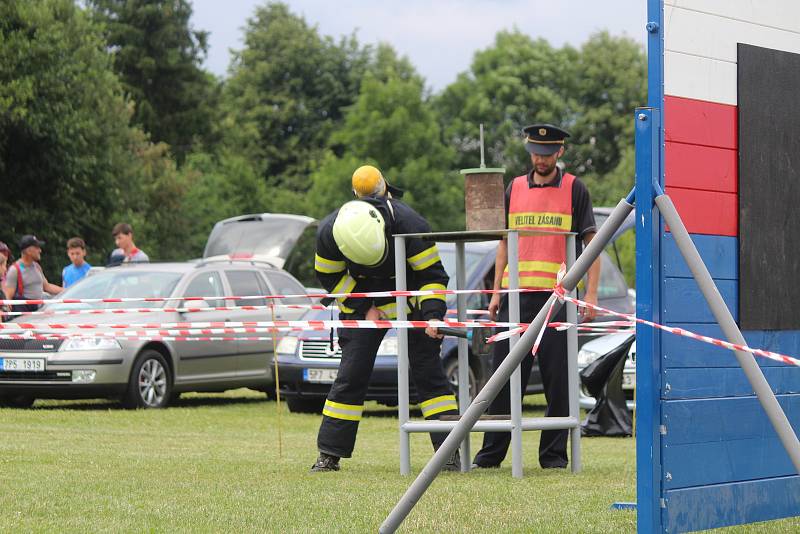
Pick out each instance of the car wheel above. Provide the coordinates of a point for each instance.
(451, 372)
(303, 405)
(17, 401)
(150, 384)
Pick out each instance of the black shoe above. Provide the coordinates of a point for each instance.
(454, 463)
(324, 463)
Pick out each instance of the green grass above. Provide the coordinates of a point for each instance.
(212, 464)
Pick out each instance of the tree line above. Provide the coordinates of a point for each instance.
(107, 115)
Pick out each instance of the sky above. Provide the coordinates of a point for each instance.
(438, 36)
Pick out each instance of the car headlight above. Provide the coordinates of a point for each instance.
(585, 357)
(388, 346)
(287, 345)
(93, 343)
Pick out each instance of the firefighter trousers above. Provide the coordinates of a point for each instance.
(345, 402)
(552, 359)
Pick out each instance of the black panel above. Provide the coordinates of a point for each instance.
(769, 189)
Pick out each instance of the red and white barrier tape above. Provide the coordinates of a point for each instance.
(684, 333)
(372, 294)
(311, 325)
(121, 311)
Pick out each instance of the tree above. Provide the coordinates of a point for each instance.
(64, 133)
(158, 56)
(285, 96)
(392, 126)
(591, 92)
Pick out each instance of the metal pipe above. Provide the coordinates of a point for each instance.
(495, 383)
(723, 316)
(530, 423)
(402, 355)
(463, 350)
(572, 368)
(516, 377)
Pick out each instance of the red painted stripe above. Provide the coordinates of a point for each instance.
(700, 123)
(701, 167)
(707, 212)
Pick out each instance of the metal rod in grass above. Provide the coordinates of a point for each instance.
(277, 379)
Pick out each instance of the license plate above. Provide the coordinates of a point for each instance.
(22, 364)
(322, 376)
(628, 381)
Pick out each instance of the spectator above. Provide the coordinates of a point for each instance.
(25, 279)
(76, 250)
(5, 257)
(123, 238)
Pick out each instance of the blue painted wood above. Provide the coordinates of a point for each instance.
(699, 383)
(648, 284)
(679, 351)
(714, 420)
(716, 462)
(683, 302)
(719, 253)
(730, 504)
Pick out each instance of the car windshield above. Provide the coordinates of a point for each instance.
(270, 236)
(120, 283)
(448, 256)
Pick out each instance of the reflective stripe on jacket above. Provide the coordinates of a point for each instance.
(540, 208)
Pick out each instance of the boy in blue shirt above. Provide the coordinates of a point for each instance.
(76, 250)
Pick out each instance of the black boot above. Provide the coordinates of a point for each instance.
(454, 463)
(324, 463)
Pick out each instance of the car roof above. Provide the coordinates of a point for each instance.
(265, 216)
(187, 266)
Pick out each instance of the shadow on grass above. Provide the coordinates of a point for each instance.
(112, 404)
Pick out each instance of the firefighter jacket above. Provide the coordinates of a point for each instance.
(424, 269)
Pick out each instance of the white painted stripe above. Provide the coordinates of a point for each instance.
(701, 38)
(781, 14)
(700, 78)
(716, 37)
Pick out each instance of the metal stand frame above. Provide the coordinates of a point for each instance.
(517, 424)
(469, 419)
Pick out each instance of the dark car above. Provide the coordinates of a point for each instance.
(308, 361)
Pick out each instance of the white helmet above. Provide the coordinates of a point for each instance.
(359, 232)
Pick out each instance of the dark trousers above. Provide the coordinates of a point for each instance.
(552, 358)
(359, 348)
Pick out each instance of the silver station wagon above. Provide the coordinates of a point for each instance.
(148, 374)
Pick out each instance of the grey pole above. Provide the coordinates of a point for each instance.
(463, 350)
(402, 355)
(723, 316)
(572, 368)
(516, 377)
(495, 383)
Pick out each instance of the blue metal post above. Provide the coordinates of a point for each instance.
(648, 348)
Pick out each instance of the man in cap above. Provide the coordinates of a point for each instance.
(355, 253)
(25, 279)
(546, 198)
(369, 182)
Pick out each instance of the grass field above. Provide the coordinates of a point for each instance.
(212, 464)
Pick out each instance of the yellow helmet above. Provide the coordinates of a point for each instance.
(359, 233)
(368, 182)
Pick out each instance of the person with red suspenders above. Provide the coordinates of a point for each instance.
(25, 279)
(546, 198)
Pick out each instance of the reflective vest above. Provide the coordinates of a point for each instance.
(540, 208)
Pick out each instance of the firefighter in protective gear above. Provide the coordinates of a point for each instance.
(355, 253)
(369, 182)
